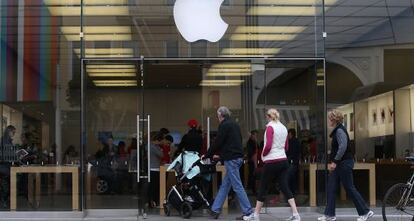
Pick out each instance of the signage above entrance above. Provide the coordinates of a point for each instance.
(199, 19)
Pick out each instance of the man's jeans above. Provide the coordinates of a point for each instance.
(232, 179)
(343, 173)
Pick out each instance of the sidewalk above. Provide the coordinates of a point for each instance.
(277, 214)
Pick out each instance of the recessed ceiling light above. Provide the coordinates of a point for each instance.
(285, 11)
(269, 29)
(262, 37)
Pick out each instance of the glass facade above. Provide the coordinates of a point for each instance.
(85, 84)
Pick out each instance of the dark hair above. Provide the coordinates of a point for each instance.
(169, 138)
(292, 131)
(10, 128)
(254, 132)
(157, 137)
(164, 131)
(121, 143)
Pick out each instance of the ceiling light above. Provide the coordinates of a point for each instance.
(231, 65)
(110, 66)
(269, 29)
(113, 74)
(102, 83)
(96, 29)
(295, 2)
(116, 85)
(218, 85)
(284, 11)
(262, 37)
(249, 51)
(107, 10)
(231, 81)
(229, 70)
(93, 70)
(105, 51)
(100, 37)
(85, 2)
(233, 74)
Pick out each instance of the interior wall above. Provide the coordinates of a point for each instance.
(402, 121)
(399, 66)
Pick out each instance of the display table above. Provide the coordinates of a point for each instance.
(163, 173)
(37, 170)
(312, 168)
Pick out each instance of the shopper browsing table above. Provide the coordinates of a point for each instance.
(340, 167)
(229, 144)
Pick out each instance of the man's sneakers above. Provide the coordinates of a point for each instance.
(366, 216)
(327, 218)
(213, 214)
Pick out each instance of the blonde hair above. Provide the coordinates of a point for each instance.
(336, 116)
(273, 114)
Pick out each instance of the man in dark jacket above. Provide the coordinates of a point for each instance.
(229, 144)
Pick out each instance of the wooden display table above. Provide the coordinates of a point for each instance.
(163, 172)
(312, 168)
(37, 170)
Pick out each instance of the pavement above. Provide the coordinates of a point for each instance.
(276, 214)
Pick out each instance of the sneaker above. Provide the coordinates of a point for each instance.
(366, 216)
(251, 217)
(327, 218)
(294, 218)
(213, 214)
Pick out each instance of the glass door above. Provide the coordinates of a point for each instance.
(172, 104)
(116, 172)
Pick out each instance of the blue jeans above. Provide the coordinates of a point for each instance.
(232, 179)
(343, 174)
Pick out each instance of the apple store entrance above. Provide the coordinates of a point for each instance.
(128, 103)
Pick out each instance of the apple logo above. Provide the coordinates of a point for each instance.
(199, 19)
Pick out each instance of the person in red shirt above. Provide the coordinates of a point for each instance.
(166, 148)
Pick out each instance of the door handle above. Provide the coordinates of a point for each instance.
(138, 139)
(149, 146)
(208, 133)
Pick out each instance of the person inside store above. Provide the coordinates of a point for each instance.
(29, 145)
(6, 141)
(156, 155)
(122, 149)
(275, 165)
(71, 155)
(167, 141)
(32, 157)
(252, 148)
(341, 170)
(293, 155)
(229, 144)
(192, 140)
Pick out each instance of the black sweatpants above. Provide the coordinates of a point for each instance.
(272, 171)
(154, 187)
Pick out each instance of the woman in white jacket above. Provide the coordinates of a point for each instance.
(275, 165)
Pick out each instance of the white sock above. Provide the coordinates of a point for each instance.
(295, 214)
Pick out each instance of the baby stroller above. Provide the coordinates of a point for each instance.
(187, 195)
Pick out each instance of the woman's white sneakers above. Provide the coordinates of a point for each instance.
(366, 216)
(361, 218)
(251, 217)
(294, 218)
(327, 218)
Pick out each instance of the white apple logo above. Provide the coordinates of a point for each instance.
(199, 19)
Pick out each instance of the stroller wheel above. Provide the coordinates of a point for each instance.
(186, 210)
(167, 209)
